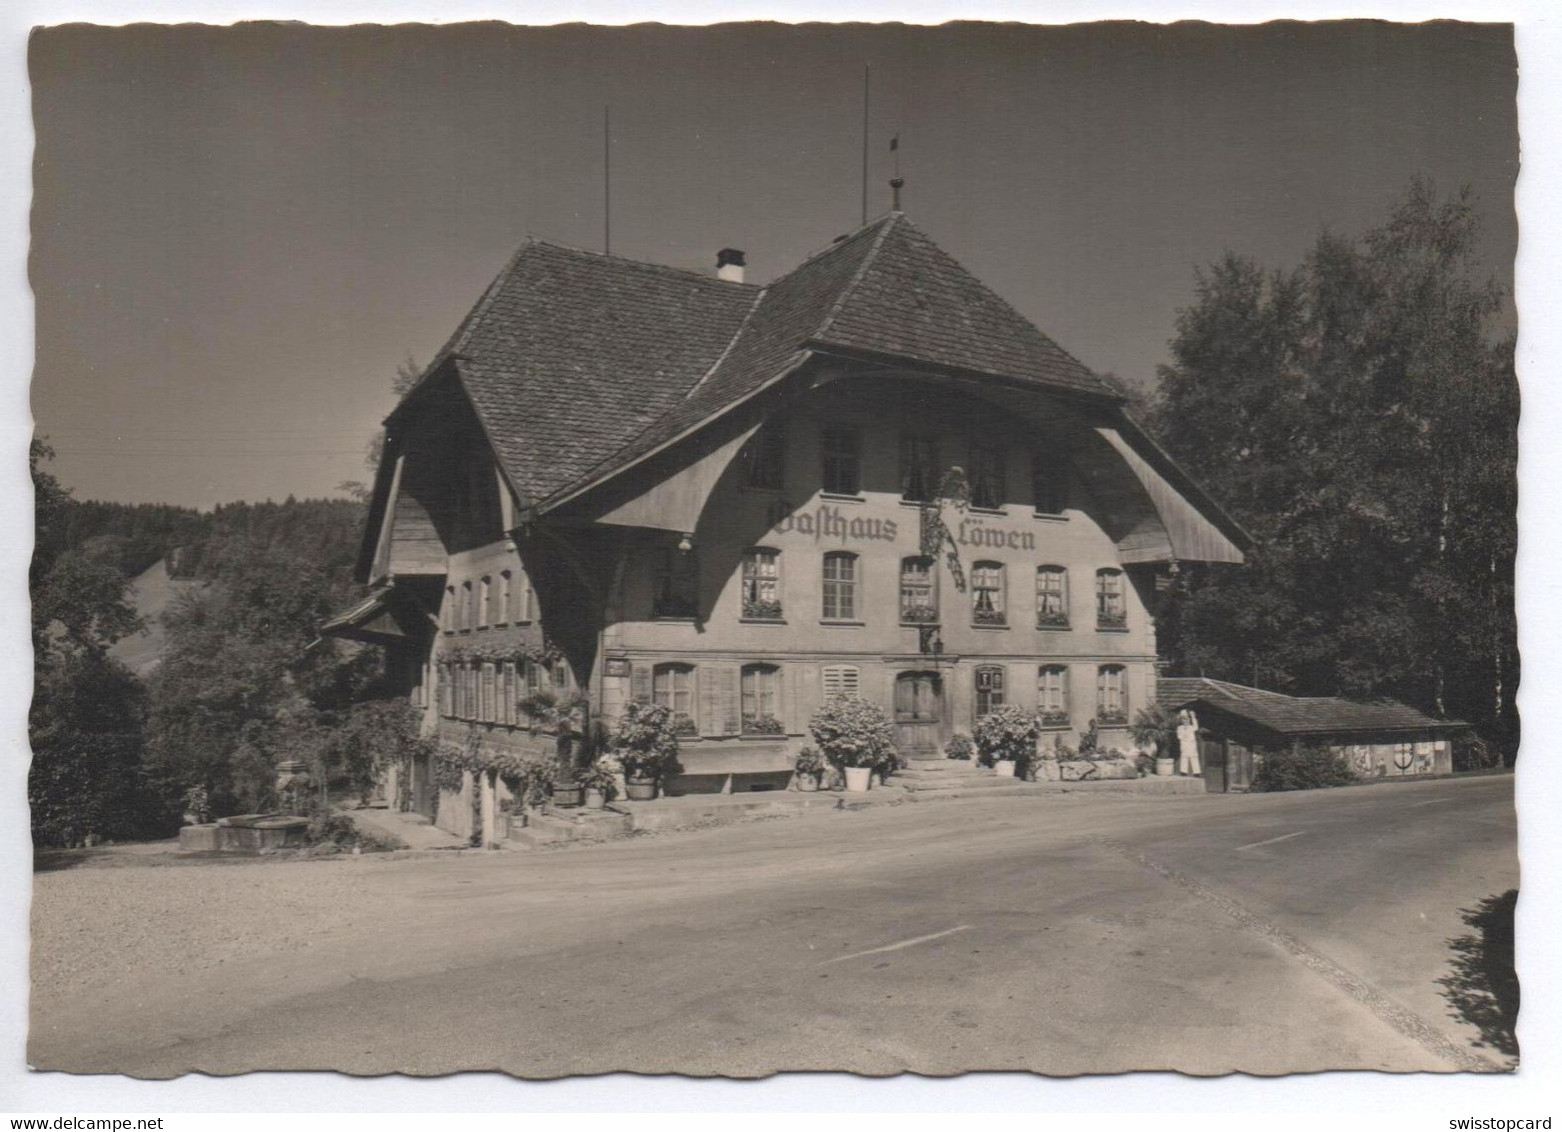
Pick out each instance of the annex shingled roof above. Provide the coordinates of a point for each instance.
(1296, 715)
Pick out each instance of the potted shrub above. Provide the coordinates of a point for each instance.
(1007, 739)
(646, 743)
(960, 746)
(597, 781)
(1153, 731)
(854, 735)
(808, 768)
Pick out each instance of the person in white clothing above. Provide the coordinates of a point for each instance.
(1188, 743)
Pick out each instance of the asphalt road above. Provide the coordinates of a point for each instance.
(1064, 935)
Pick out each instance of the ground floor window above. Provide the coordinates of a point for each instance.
(1052, 694)
(989, 689)
(1111, 695)
(672, 687)
(761, 700)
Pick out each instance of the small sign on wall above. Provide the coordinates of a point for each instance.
(616, 666)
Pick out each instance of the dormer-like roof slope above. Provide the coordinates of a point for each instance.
(570, 354)
(1298, 715)
(579, 364)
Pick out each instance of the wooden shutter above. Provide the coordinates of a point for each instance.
(786, 698)
(731, 699)
(640, 683)
(718, 698)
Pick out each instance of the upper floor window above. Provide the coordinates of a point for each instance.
(762, 584)
(764, 458)
(1111, 606)
(448, 618)
(677, 584)
(1111, 695)
(989, 689)
(502, 598)
(918, 467)
(522, 601)
(988, 486)
(840, 586)
(987, 607)
(468, 614)
(672, 686)
(1048, 484)
(1052, 694)
(918, 591)
(840, 680)
(841, 451)
(485, 587)
(761, 699)
(1051, 597)
(487, 693)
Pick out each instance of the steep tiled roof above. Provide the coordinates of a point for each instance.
(1296, 715)
(578, 363)
(571, 354)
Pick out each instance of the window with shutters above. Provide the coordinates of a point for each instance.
(677, 584)
(1052, 695)
(989, 689)
(987, 605)
(1051, 597)
(672, 686)
(487, 694)
(840, 586)
(840, 680)
(762, 700)
(1111, 695)
(918, 591)
(989, 486)
(762, 584)
(1111, 606)
(918, 467)
(503, 598)
(1048, 484)
(448, 619)
(764, 458)
(841, 454)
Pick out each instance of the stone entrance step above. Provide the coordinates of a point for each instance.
(571, 825)
(951, 781)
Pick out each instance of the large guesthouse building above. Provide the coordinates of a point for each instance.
(624, 481)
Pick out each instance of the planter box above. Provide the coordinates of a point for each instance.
(1081, 770)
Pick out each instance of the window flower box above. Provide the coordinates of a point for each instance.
(762, 610)
(1111, 620)
(1050, 620)
(1054, 718)
(992, 617)
(762, 725)
(684, 725)
(919, 615)
(1112, 719)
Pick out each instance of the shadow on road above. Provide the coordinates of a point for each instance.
(1483, 988)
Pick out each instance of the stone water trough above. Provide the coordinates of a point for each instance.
(244, 833)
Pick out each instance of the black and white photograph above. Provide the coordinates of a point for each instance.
(756, 549)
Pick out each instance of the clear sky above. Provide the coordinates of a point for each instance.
(240, 232)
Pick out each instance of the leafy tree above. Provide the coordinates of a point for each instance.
(1358, 415)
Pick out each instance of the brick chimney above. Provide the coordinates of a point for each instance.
(729, 265)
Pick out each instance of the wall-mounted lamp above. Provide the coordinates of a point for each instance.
(685, 543)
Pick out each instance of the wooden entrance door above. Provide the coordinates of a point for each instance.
(1212, 757)
(919, 698)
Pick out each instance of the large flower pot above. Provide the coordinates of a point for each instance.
(858, 779)
(640, 789)
(1164, 767)
(595, 799)
(807, 783)
(567, 794)
(1004, 768)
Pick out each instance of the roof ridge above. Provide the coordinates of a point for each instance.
(693, 272)
(885, 225)
(732, 342)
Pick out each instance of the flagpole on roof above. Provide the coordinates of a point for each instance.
(607, 187)
(866, 69)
